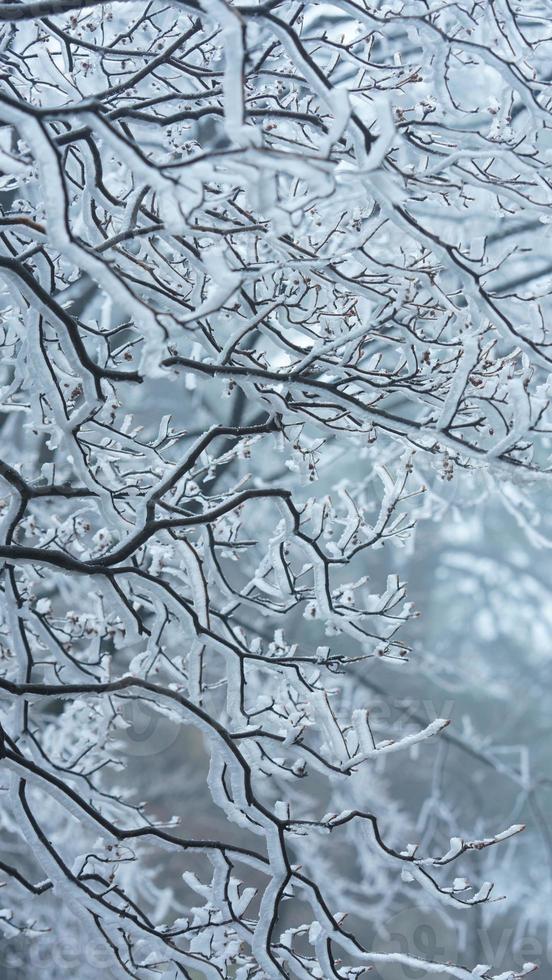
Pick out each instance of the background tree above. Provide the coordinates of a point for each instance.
(274, 286)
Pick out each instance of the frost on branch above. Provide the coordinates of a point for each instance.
(270, 275)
